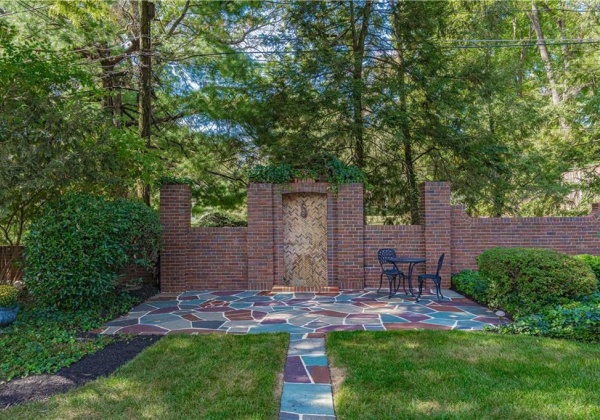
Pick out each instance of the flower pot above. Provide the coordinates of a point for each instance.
(8, 315)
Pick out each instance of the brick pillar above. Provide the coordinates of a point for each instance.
(175, 218)
(261, 234)
(349, 237)
(436, 216)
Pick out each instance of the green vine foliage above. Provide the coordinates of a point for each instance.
(272, 174)
(77, 250)
(173, 180)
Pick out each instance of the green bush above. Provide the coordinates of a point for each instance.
(470, 283)
(574, 321)
(525, 281)
(593, 261)
(77, 249)
(220, 219)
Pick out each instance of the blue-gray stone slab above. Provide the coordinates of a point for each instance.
(315, 360)
(307, 347)
(307, 399)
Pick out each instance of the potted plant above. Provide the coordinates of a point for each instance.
(8, 304)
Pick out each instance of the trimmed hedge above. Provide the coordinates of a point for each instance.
(470, 283)
(525, 281)
(76, 251)
(593, 261)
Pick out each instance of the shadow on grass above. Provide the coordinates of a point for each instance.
(453, 374)
(181, 377)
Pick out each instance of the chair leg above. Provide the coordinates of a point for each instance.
(421, 281)
(380, 282)
(392, 280)
(438, 289)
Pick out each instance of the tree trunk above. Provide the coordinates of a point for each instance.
(543, 48)
(146, 10)
(358, 51)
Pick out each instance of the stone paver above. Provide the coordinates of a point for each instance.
(307, 391)
(299, 313)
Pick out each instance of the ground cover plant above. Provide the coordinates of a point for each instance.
(43, 340)
(578, 320)
(462, 375)
(181, 377)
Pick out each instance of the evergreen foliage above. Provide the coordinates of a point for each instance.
(525, 281)
(77, 249)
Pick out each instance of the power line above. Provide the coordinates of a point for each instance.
(374, 50)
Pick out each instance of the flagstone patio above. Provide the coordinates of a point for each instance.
(241, 312)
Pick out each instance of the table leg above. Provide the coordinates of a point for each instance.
(411, 267)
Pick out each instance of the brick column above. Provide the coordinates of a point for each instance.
(349, 237)
(436, 216)
(175, 218)
(261, 235)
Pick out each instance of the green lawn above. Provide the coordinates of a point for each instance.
(181, 377)
(462, 375)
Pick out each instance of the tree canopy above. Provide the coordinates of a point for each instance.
(499, 97)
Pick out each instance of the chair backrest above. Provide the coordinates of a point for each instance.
(384, 253)
(439, 267)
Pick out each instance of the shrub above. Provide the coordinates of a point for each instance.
(574, 321)
(593, 261)
(220, 219)
(8, 296)
(524, 281)
(76, 251)
(470, 283)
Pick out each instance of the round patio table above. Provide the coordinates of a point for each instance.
(411, 261)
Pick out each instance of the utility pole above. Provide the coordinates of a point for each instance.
(146, 12)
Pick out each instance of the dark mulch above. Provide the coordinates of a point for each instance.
(145, 292)
(90, 367)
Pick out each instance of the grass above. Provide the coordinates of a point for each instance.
(462, 375)
(181, 377)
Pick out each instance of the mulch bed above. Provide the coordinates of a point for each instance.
(92, 366)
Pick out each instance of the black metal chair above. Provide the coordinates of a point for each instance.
(388, 269)
(436, 278)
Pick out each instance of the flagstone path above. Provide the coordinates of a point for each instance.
(307, 390)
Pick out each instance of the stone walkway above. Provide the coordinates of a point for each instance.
(244, 312)
(307, 390)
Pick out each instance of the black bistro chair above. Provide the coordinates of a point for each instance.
(436, 278)
(388, 269)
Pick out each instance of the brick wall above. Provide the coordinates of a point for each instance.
(261, 237)
(252, 258)
(218, 259)
(472, 236)
(175, 218)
